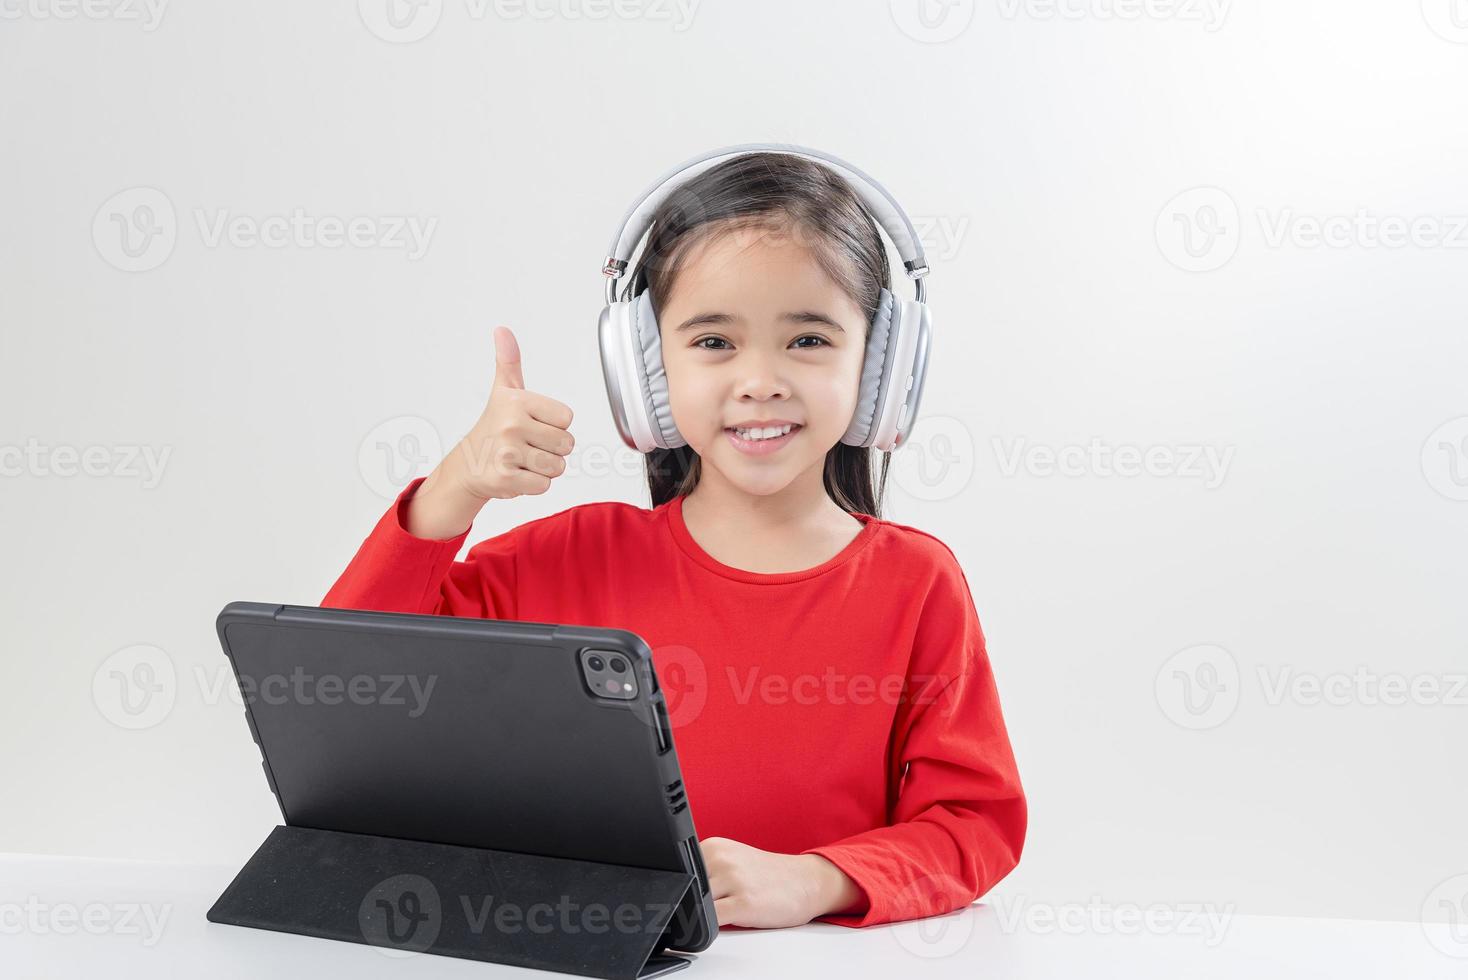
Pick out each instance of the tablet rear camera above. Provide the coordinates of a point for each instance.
(608, 676)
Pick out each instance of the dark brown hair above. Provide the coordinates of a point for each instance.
(792, 195)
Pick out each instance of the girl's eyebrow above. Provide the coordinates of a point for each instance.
(799, 316)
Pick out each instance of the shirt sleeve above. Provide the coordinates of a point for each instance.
(959, 821)
(394, 571)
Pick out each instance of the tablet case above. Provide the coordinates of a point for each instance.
(405, 862)
(440, 898)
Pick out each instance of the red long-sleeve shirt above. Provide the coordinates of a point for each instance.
(846, 710)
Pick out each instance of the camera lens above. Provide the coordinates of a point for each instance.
(618, 664)
(595, 662)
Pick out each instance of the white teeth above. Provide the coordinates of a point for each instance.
(763, 433)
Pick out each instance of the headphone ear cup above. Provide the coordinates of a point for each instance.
(621, 365)
(876, 368)
(632, 367)
(648, 354)
(613, 340)
(913, 352)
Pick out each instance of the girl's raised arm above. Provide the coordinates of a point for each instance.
(516, 447)
(395, 571)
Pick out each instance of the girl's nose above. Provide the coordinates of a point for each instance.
(759, 377)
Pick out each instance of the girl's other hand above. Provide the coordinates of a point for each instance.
(767, 890)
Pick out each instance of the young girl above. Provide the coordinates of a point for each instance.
(828, 683)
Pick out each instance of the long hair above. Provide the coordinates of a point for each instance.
(794, 194)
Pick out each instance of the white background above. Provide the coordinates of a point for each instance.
(1076, 296)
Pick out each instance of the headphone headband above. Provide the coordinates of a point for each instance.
(883, 206)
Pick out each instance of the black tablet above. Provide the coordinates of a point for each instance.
(537, 738)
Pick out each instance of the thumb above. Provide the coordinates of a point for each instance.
(507, 360)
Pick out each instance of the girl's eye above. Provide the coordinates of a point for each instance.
(821, 342)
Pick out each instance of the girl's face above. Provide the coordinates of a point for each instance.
(755, 332)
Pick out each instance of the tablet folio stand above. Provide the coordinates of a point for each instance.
(546, 913)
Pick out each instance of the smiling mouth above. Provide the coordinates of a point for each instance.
(760, 441)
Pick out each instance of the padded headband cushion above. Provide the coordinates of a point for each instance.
(879, 201)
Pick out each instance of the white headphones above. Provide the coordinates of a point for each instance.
(896, 359)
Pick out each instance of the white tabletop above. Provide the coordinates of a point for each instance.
(74, 917)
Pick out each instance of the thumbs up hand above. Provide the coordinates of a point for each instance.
(520, 441)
